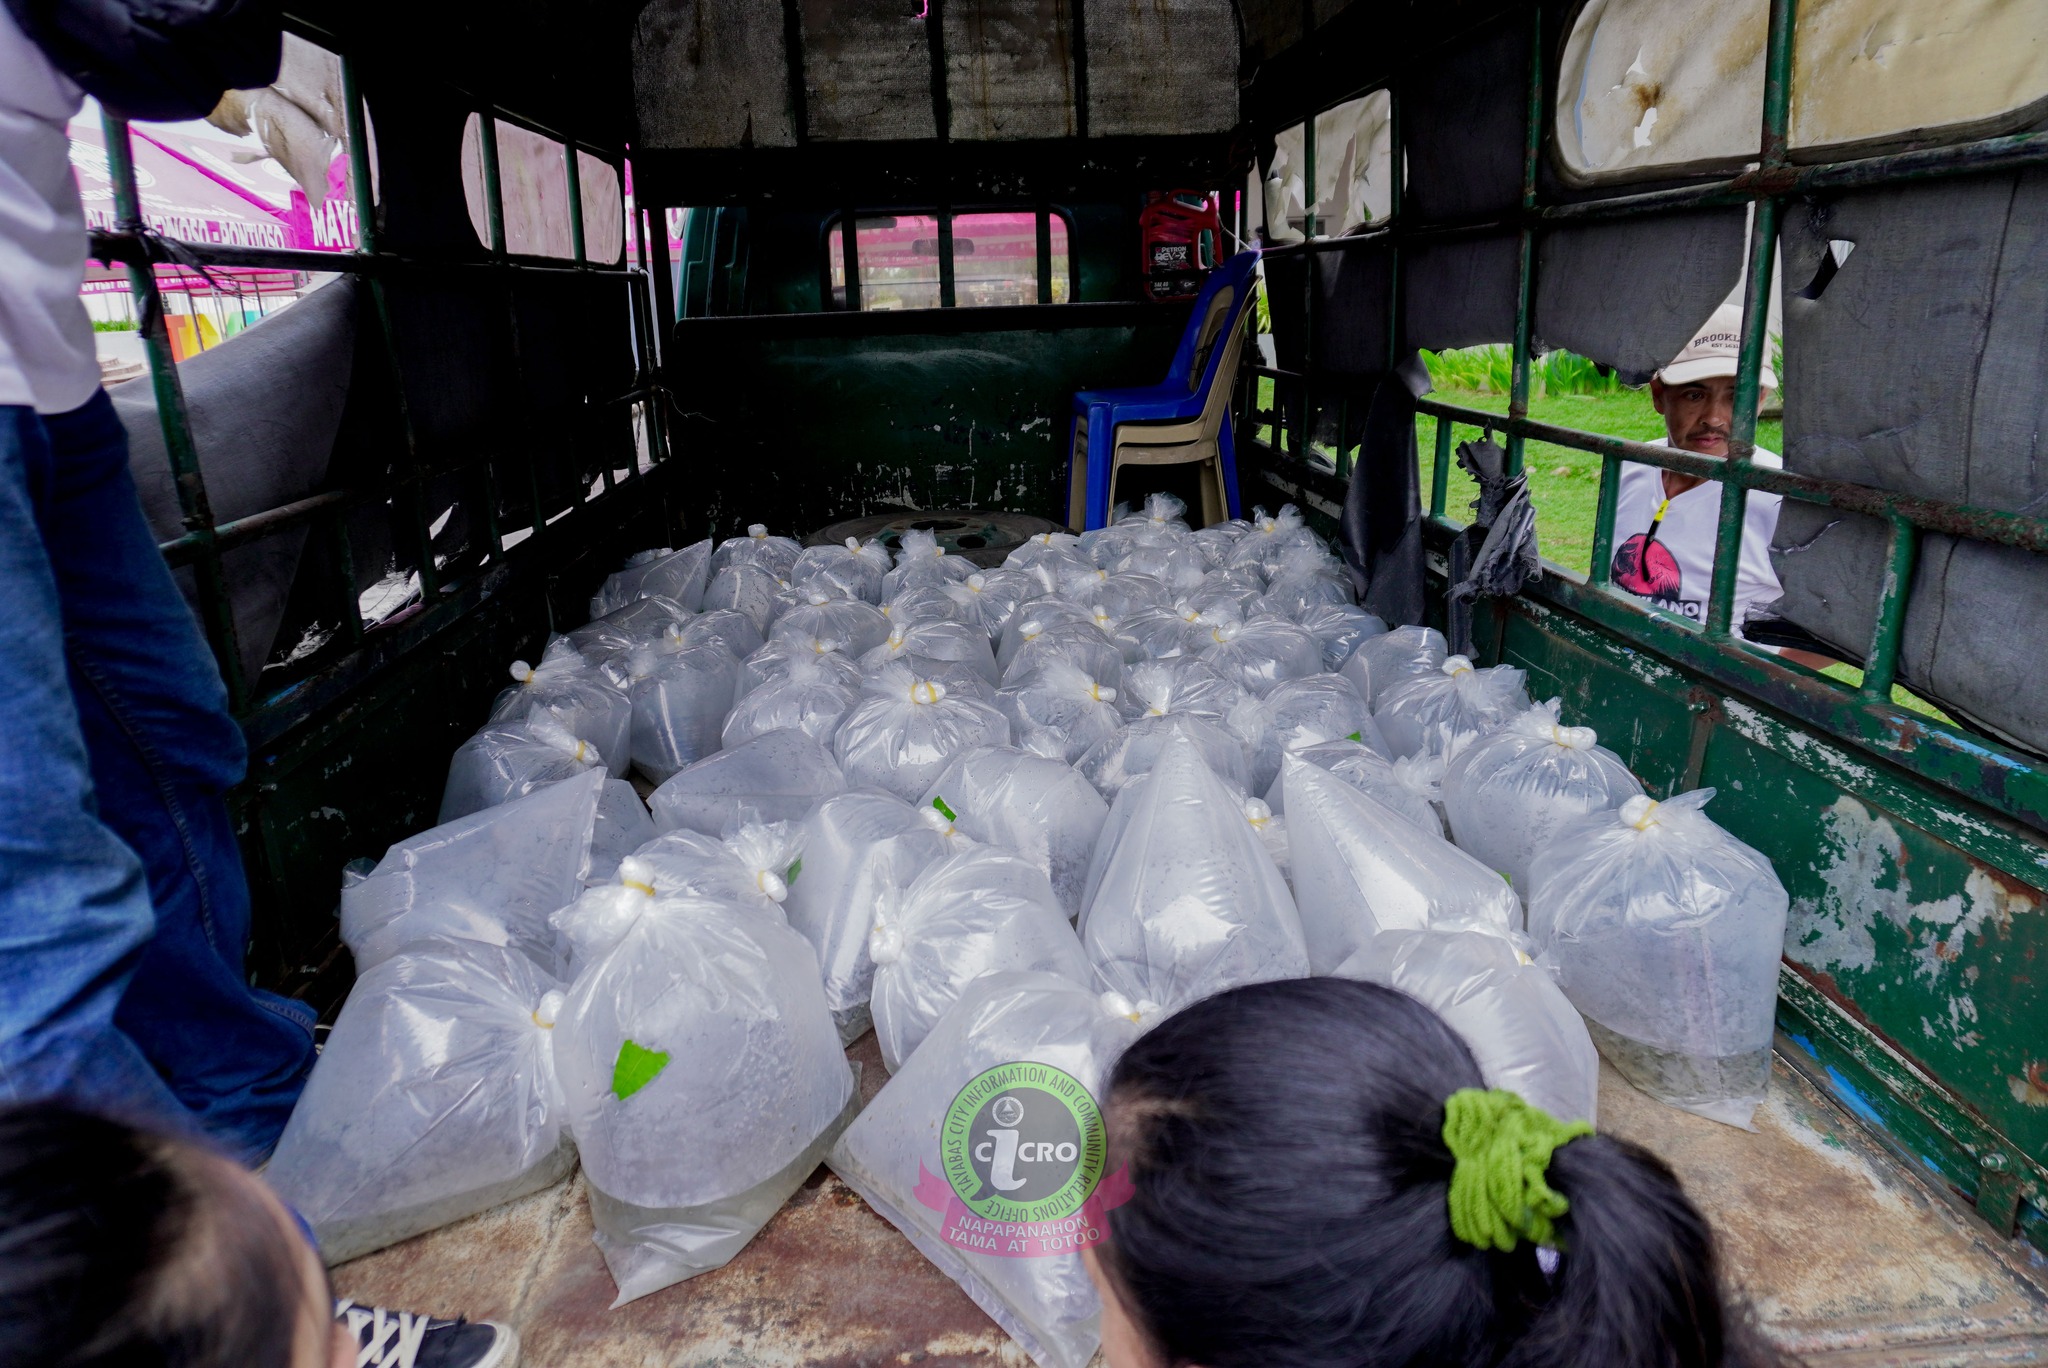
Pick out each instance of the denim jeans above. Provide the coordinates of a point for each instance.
(124, 910)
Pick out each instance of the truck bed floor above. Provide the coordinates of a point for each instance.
(1847, 1259)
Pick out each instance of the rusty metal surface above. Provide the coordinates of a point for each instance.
(867, 71)
(712, 73)
(1161, 69)
(1009, 69)
(1847, 1259)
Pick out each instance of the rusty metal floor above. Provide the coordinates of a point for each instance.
(1848, 1260)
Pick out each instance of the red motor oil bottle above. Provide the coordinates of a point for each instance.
(1179, 231)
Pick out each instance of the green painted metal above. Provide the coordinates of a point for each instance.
(1881, 667)
(1604, 513)
(1440, 473)
(1930, 515)
(1756, 307)
(834, 416)
(1919, 922)
(216, 614)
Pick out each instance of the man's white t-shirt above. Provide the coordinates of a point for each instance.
(47, 357)
(1675, 572)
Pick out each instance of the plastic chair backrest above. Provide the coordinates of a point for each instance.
(1197, 342)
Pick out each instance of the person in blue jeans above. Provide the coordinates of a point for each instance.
(124, 910)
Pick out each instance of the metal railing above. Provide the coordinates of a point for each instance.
(203, 542)
(1982, 771)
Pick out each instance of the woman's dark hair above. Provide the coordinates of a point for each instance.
(1286, 1145)
(121, 1249)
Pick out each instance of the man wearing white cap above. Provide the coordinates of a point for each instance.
(1665, 523)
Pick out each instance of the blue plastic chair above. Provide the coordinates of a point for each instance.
(1175, 421)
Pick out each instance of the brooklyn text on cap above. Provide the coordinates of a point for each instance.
(1713, 351)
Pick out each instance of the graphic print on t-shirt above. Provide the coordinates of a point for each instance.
(1645, 566)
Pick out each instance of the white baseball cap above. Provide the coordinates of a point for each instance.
(1713, 351)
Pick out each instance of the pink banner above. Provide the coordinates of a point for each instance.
(1023, 1239)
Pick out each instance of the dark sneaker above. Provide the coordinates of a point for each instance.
(401, 1339)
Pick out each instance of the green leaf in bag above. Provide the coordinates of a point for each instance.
(637, 1066)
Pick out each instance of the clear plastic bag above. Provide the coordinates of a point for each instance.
(434, 1098)
(1124, 593)
(642, 622)
(855, 844)
(680, 701)
(1048, 549)
(493, 876)
(704, 1082)
(582, 701)
(622, 826)
(1113, 762)
(1384, 660)
(1666, 933)
(904, 730)
(807, 696)
(1266, 542)
(676, 575)
(1218, 540)
(776, 555)
(735, 631)
(1307, 577)
(1177, 564)
(1441, 714)
(926, 603)
(1297, 714)
(777, 777)
(1360, 869)
(1521, 1028)
(1066, 1040)
(1341, 629)
(1059, 710)
(855, 568)
(1183, 898)
(922, 563)
(953, 642)
(1261, 652)
(748, 590)
(1508, 793)
(1177, 686)
(859, 625)
(1230, 593)
(1035, 617)
(989, 598)
(773, 662)
(981, 911)
(1039, 807)
(508, 760)
(1152, 633)
(750, 869)
(1408, 787)
(1085, 647)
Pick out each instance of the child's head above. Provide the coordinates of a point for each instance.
(1286, 1143)
(118, 1247)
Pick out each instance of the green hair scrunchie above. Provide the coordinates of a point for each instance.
(1502, 1146)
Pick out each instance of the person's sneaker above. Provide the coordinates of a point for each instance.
(402, 1339)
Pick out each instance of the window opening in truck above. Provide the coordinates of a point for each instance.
(902, 261)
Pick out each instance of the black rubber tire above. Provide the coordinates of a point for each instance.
(983, 537)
